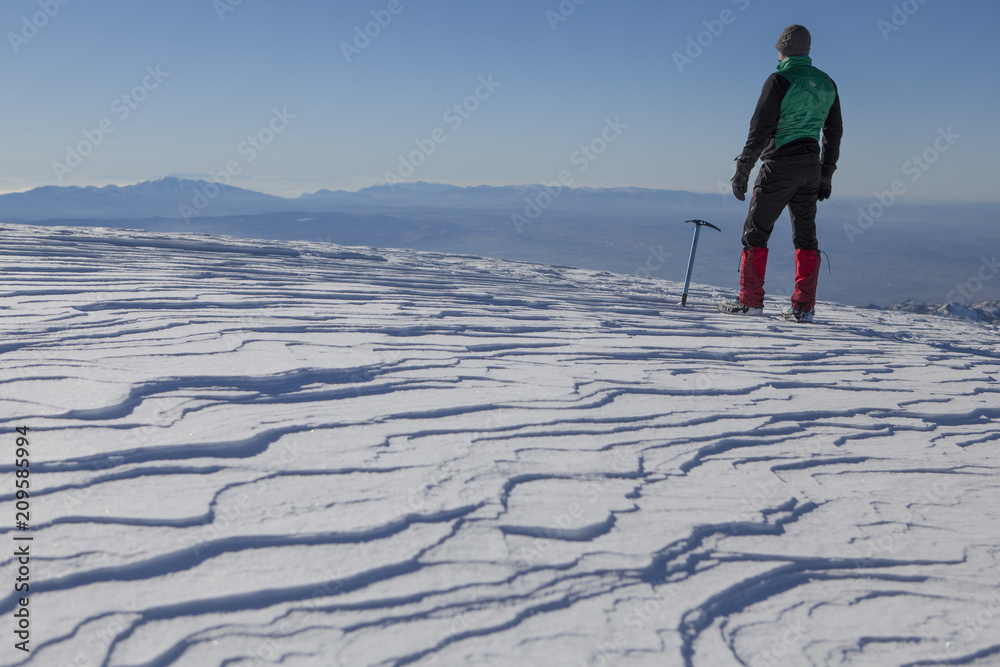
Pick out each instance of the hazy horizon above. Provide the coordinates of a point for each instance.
(881, 252)
(906, 202)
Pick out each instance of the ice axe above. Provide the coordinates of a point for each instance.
(698, 224)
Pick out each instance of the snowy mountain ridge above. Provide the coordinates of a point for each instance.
(982, 311)
(298, 453)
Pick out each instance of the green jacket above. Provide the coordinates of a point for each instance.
(798, 106)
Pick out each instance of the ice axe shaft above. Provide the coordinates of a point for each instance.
(698, 224)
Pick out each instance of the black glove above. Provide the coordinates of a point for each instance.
(742, 178)
(826, 181)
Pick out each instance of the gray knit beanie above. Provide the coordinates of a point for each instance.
(795, 40)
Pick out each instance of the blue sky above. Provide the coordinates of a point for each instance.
(268, 91)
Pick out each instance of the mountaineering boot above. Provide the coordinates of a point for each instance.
(793, 315)
(735, 307)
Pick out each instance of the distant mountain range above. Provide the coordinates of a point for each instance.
(178, 198)
(904, 252)
(162, 198)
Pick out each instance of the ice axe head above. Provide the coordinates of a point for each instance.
(702, 223)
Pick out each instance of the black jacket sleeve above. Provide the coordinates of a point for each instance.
(833, 132)
(764, 123)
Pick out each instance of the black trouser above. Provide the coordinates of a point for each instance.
(788, 181)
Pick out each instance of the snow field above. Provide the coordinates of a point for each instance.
(251, 453)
